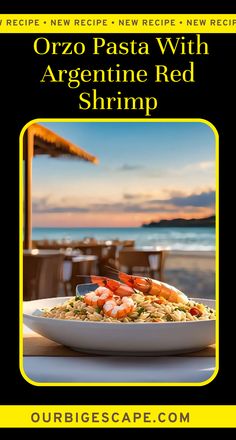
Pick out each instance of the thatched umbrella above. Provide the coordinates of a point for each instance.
(39, 140)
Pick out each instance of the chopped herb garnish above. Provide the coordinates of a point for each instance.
(67, 310)
(76, 312)
(79, 298)
(71, 304)
(169, 318)
(98, 309)
(181, 309)
(140, 310)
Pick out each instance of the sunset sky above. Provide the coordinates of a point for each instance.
(147, 171)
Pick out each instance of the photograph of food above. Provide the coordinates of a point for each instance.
(165, 304)
(119, 253)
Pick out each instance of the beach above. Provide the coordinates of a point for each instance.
(192, 272)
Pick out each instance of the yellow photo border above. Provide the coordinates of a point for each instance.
(92, 384)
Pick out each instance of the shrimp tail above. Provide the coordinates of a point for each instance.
(153, 287)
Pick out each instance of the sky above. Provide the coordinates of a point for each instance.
(146, 171)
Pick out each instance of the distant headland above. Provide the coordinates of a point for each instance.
(182, 223)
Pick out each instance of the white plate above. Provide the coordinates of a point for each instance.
(130, 339)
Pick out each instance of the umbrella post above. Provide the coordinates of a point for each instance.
(28, 156)
(39, 140)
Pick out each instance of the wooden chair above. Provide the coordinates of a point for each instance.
(79, 270)
(128, 243)
(141, 262)
(108, 260)
(99, 250)
(92, 250)
(41, 276)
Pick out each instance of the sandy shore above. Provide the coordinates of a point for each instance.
(192, 272)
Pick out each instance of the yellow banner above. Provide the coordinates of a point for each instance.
(117, 23)
(96, 416)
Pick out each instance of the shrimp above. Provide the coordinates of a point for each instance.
(98, 297)
(114, 310)
(115, 286)
(147, 286)
(153, 287)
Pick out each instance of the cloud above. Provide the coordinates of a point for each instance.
(45, 205)
(58, 209)
(148, 209)
(130, 196)
(201, 166)
(39, 204)
(131, 203)
(107, 207)
(144, 171)
(130, 207)
(130, 167)
(173, 193)
(204, 199)
(136, 196)
(207, 165)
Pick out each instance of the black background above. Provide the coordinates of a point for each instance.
(23, 98)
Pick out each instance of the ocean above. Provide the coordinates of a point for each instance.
(178, 239)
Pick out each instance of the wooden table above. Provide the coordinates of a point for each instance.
(41, 253)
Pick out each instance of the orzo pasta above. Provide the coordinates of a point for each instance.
(147, 308)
